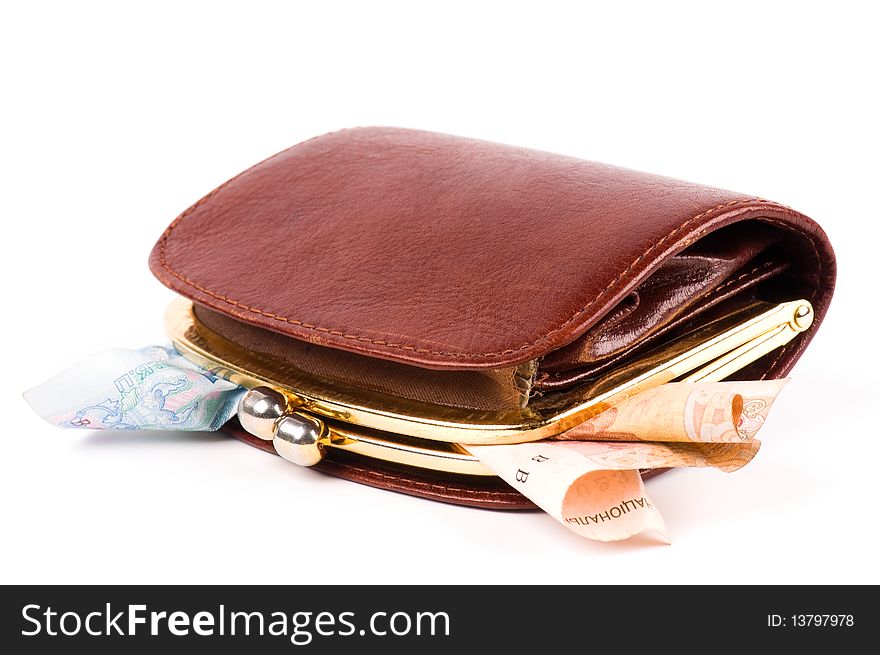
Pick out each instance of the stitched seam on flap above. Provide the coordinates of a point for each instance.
(400, 346)
(752, 272)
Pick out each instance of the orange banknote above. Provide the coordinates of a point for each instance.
(588, 478)
(680, 411)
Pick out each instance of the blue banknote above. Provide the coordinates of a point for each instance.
(153, 388)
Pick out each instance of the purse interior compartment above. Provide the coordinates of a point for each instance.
(723, 271)
(483, 389)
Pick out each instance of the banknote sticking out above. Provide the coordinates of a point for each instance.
(153, 388)
(588, 478)
(712, 412)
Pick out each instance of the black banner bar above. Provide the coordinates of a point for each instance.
(430, 619)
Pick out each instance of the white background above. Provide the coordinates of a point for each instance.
(115, 119)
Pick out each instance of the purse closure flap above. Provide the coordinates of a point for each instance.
(442, 251)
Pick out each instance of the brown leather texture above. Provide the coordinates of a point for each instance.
(472, 491)
(449, 252)
(458, 255)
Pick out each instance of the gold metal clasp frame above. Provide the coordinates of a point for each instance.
(304, 414)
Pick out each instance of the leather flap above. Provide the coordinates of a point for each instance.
(447, 252)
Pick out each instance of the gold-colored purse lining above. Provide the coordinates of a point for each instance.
(487, 389)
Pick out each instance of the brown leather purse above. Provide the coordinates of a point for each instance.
(392, 295)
